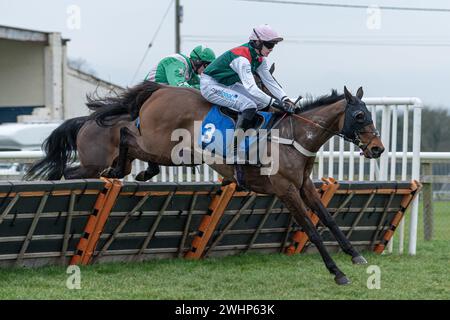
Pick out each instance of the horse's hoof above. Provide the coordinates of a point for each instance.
(359, 260)
(141, 177)
(342, 280)
(108, 173)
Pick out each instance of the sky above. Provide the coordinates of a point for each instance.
(389, 52)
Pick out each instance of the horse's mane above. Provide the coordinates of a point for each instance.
(313, 103)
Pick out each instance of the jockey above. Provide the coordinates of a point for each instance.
(181, 71)
(229, 81)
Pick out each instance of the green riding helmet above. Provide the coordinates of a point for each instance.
(203, 54)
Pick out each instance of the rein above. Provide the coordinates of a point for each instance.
(356, 140)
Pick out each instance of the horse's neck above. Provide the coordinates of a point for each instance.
(261, 86)
(313, 137)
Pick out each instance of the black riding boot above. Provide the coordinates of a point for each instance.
(245, 119)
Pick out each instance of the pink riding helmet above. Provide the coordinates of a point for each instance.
(265, 32)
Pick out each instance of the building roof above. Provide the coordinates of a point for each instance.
(93, 79)
(21, 34)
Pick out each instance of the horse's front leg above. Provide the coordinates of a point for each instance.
(311, 198)
(290, 196)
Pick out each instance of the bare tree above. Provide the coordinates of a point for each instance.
(82, 65)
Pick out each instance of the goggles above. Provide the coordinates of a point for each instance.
(269, 45)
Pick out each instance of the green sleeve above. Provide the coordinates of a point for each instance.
(175, 71)
(195, 82)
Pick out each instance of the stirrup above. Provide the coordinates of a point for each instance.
(244, 124)
(245, 119)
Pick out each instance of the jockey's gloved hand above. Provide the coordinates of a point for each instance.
(284, 106)
(289, 101)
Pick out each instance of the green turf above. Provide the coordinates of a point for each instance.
(251, 276)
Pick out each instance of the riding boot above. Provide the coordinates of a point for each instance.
(245, 119)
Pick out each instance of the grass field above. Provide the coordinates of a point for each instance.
(251, 276)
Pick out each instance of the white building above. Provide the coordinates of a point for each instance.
(36, 83)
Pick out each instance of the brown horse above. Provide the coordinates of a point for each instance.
(96, 147)
(168, 109)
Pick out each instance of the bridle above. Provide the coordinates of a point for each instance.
(356, 138)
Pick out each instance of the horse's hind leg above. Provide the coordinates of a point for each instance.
(309, 195)
(129, 150)
(122, 162)
(290, 196)
(151, 171)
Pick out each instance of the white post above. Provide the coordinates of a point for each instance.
(53, 74)
(331, 157)
(373, 161)
(189, 174)
(205, 173)
(404, 165)
(417, 126)
(320, 169)
(393, 167)
(351, 162)
(163, 174)
(385, 134)
(394, 144)
(385, 137)
(180, 174)
(405, 143)
(341, 159)
(361, 168)
(197, 173)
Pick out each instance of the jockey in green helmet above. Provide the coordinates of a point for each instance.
(229, 81)
(182, 71)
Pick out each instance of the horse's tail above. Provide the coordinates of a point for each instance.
(59, 148)
(110, 110)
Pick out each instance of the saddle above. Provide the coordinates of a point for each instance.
(218, 130)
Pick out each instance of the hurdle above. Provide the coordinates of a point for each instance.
(93, 221)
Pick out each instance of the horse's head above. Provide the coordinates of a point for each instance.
(357, 125)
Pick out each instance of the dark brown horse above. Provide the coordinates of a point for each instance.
(95, 147)
(168, 109)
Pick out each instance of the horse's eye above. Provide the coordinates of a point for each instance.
(359, 116)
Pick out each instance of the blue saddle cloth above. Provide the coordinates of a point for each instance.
(217, 133)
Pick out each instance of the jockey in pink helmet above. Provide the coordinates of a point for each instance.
(228, 81)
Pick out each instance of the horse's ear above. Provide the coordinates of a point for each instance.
(272, 68)
(348, 95)
(360, 93)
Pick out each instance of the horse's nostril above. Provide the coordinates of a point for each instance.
(377, 150)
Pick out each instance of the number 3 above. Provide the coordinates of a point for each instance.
(208, 135)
